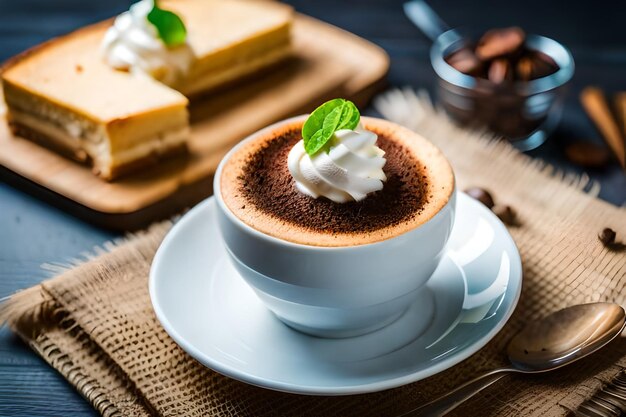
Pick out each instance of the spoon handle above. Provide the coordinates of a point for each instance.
(425, 18)
(451, 400)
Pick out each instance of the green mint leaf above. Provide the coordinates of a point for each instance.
(328, 118)
(350, 117)
(171, 28)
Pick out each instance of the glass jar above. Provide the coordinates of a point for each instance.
(524, 112)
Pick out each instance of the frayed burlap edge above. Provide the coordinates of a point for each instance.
(38, 319)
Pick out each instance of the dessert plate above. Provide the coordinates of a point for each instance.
(207, 308)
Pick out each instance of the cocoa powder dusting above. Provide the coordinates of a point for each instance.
(267, 184)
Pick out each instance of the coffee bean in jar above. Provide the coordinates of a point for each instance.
(505, 80)
(501, 56)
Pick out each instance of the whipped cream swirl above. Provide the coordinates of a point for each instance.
(351, 170)
(133, 44)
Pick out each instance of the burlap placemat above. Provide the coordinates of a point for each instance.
(94, 322)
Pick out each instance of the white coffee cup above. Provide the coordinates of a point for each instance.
(335, 291)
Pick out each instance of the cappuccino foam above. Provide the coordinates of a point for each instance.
(258, 188)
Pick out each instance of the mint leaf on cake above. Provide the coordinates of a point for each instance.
(334, 115)
(171, 28)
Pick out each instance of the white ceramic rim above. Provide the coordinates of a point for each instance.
(237, 374)
(217, 193)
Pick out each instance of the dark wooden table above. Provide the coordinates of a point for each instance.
(32, 233)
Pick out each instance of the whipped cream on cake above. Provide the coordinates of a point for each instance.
(133, 44)
(351, 169)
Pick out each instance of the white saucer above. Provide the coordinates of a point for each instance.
(213, 315)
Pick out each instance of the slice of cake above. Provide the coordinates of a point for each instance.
(224, 40)
(236, 38)
(67, 94)
(64, 96)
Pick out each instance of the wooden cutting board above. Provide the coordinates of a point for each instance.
(328, 62)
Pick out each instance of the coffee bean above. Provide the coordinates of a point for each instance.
(499, 42)
(506, 214)
(524, 68)
(587, 154)
(543, 65)
(465, 61)
(500, 71)
(607, 236)
(481, 195)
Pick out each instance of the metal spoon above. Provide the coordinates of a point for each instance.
(425, 18)
(543, 345)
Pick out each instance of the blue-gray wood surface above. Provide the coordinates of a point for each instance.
(32, 233)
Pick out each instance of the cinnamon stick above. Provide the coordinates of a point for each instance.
(597, 108)
(620, 110)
